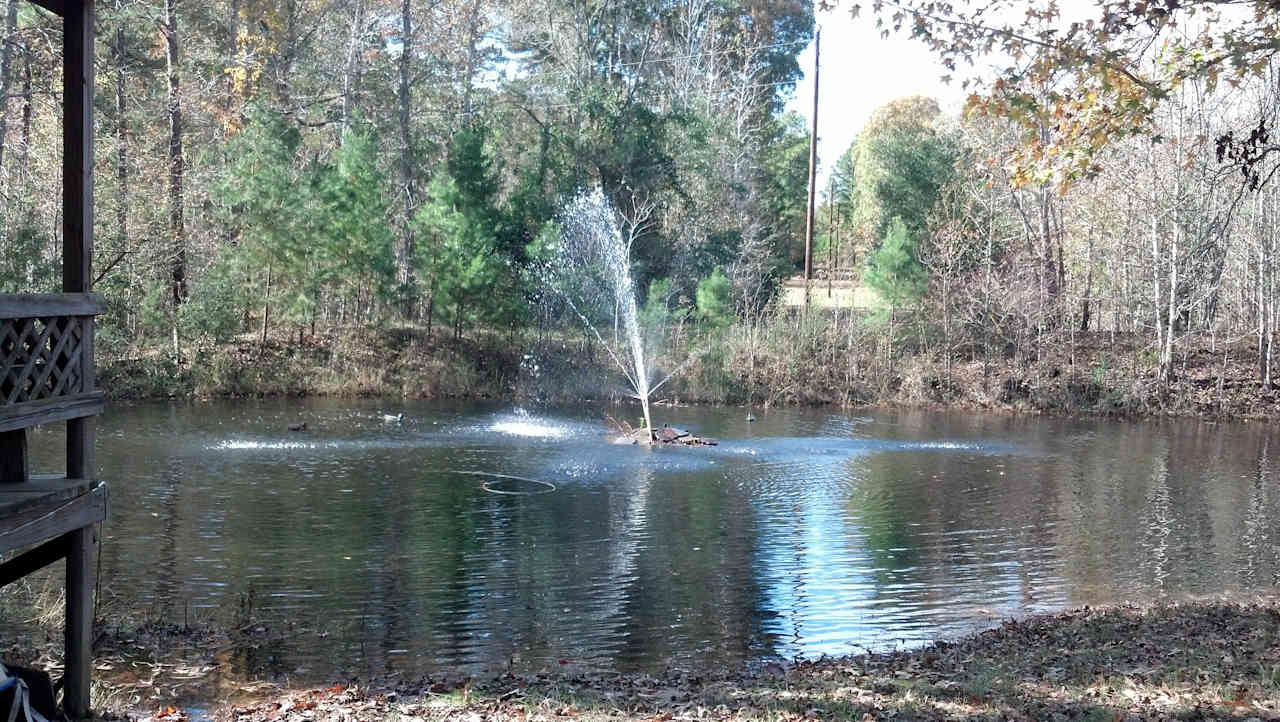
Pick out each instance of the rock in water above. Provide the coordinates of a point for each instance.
(670, 434)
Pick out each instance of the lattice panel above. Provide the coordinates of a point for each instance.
(40, 358)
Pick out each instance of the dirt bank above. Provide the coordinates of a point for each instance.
(1192, 661)
(1202, 660)
(1095, 374)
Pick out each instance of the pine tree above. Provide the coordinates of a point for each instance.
(894, 268)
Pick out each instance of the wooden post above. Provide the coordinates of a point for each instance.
(14, 466)
(77, 146)
(813, 172)
(77, 277)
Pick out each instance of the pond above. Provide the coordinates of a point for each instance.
(803, 533)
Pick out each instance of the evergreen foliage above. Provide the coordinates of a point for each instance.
(714, 302)
(894, 268)
(469, 253)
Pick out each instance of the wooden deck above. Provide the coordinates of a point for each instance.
(46, 507)
(47, 376)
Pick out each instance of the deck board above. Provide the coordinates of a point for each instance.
(34, 516)
(41, 489)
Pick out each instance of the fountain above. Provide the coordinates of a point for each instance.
(594, 254)
(591, 239)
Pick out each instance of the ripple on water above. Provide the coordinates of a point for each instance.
(813, 534)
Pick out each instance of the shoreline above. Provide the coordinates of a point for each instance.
(1183, 660)
(1084, 381)
(1196, 660)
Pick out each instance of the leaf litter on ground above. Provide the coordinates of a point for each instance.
(1197, 660)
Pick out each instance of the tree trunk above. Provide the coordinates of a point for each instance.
(1270, 305)
(431, 311)
(177, 232)
(27, 118)
(1260, 306)
(1166, 353)
(122, 135)
(6, 73)
(472, 52)
(986, 293)
(351, 71)
(408, 164)
(266, 308)
(122, 160)
(290, 56)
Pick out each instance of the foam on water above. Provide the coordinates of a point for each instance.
(533, 429)
(244, 445)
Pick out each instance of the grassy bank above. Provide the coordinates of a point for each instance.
(819, 359)
(855, 360)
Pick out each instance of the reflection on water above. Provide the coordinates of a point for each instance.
(803, 533)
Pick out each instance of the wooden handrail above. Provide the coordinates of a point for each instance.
(26, 414)
(34, 305)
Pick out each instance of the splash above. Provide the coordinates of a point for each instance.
(531, 429)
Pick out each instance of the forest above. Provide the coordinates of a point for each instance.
(370, 193)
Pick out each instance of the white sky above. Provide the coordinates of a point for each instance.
(861, 72)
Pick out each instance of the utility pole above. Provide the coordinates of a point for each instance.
(831, 233)
(813, 172)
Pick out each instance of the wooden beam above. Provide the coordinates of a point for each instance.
(33, 560)
(77, 146)
(47, 411)
(77, 277)
(79, 623)
(57, 7)
(32, 305)
(79, 515)
(15, 466)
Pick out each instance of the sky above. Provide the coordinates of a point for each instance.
(861, 72)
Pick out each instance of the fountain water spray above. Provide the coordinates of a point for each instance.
(591, 238)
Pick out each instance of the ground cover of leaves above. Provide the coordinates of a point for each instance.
(1193, 661)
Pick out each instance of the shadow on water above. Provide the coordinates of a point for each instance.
(802, 533)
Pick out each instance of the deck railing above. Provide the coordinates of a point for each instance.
(46, 358)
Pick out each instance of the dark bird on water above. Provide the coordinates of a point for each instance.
(750, 417)
(298, 427)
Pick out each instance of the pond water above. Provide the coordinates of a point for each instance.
(806, 532)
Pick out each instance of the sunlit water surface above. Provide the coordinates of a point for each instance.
(804, 533)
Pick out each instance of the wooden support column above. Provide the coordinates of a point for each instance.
(14, 466)
(77, 277)
(77, 147)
